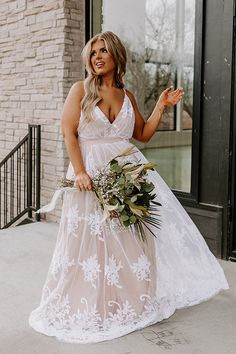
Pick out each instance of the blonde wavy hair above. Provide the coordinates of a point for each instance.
(92, 82)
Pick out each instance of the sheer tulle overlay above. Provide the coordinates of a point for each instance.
(103, 282)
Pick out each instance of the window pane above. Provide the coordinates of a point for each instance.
(159, 38)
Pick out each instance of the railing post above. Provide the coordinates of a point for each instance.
(29, 173)
(38, 162)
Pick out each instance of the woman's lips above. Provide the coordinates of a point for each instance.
(100, 64)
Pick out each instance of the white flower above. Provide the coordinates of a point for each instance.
(142, 268)
(111, 272)
(107, 209)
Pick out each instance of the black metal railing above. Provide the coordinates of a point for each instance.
(20, 179)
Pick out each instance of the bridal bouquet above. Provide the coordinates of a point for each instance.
(124, 192)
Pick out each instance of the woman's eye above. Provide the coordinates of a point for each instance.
(104, 50)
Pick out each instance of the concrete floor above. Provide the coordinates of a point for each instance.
(25, 254)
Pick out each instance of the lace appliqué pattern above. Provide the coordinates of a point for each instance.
(57, 311)
(91, 269)
(58, 320)
(94, 221)
(60, 261)
(111, 272)
(142, 268)
(88, 318)
(73, 219)
(124, 313)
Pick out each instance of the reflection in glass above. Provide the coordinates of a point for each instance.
(159, 38)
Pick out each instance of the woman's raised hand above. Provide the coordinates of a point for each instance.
(83, 182)
(168, 98)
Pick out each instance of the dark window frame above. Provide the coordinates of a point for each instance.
(192, 198)
(231, 247)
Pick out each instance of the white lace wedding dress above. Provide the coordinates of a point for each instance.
(103, 282)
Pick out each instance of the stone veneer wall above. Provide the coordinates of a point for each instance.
(40, 46)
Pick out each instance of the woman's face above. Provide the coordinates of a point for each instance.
(102, 62)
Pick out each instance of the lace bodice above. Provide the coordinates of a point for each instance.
(99, 126)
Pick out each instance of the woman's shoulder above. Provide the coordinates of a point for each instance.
(131, 97)
(74, 97)
(78, 88)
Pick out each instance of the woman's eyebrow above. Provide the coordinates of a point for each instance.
(98, 49)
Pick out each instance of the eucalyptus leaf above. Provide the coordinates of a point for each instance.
(126, 223)
(121, 180)
(134, 198)
(120, 208)
(124, 217)
(133, 219)
(117, 168)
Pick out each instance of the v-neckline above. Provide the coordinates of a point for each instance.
(105, 116)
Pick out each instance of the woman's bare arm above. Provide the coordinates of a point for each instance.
(69, 125)
(143, 131)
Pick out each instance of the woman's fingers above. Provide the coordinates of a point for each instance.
(88, 187)
(83, 183)
(167, 91)
(170, 98)
(177, 92)
(85, 187)
(176, 95)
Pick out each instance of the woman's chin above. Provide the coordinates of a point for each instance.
(100, 71)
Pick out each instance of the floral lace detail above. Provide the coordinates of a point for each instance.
(73, 219)
(88, 318)
(115, 227)
(57, 311)
(77, 327)
(151, 304)
(94, 221)
(90, 268)
(124, 313)
(142, 268)
(111, 272)
(60, 261)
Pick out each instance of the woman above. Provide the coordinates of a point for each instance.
(103, 281)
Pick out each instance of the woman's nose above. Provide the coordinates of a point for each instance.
(98, 54)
